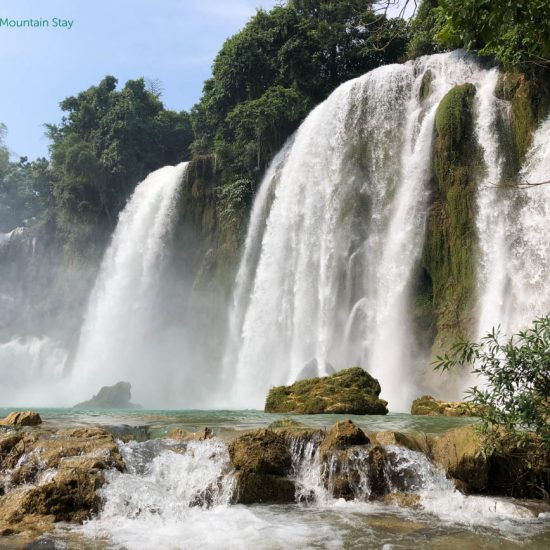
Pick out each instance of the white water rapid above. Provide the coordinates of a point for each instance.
(338, 228)
(118, 340)
(178, 495)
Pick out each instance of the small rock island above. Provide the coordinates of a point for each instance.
(349, 391)
(111, 397)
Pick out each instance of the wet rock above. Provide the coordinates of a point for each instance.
(21, 418)
(183, 435)
(342, 435)
(407, 500)
(261, 460)
(254, 488)
(287, 424)
(111, 397)
(350, 391)
(54, 476)
(459, 453)
(429, 406)
(418, 442)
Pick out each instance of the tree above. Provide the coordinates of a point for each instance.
(107, 142)
(515, 395)
(267, 77)
(516, 32)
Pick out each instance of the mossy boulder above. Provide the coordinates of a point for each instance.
(350, 391)
(429, 406)
(111, 397)
(418, 442)
(261, 460)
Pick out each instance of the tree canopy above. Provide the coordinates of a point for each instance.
(107, 142)
(267, 77)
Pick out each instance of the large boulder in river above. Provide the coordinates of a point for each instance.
(111, 397)
(261, 460)
(350, 391)
(21, 418)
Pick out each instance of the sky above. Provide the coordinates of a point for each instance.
(174, 41)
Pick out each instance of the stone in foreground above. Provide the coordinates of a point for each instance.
(21, 418)
(261, 460)
(111, 397)
(350, 391)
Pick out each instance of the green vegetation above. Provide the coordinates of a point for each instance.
(448, 257)
(25, 189)
(350, 391)
(108, 141)
(267, 77)
(516, 33)
(514, 399)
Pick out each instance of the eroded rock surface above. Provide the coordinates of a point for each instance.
(21, 418)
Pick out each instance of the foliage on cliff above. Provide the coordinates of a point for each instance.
(448, 256)
(268, 76)
(25, 189)
(350, 391)
(516, 32)
(107, 142)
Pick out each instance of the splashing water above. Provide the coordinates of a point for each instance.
(337, 230)
(118, 330)
(177, 495)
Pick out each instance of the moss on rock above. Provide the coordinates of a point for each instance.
(350, 391)
(449, 250)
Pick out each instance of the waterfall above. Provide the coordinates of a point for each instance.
(337, 231)
(118, 337)
(514, 274)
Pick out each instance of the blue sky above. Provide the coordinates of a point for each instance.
(174, 41)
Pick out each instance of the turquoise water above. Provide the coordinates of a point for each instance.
(226, 424)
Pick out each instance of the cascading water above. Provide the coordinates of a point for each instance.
(118, 340)
(337, 230)
(178, 495)
(514, 274)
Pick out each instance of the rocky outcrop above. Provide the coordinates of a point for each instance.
(511, 470)
(111, 397)
(262, 461)
(183, 435)
(429, 406)
(350, 391)
(53, 476)
(21, 418)
(418, 442)
(341, 436)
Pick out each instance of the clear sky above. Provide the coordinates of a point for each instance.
(174, 41)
